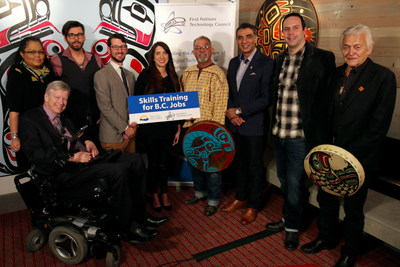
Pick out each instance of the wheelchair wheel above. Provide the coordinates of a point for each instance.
(113, 257)
(35, 240)
(67, 245)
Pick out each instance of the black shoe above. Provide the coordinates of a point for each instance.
(346, 261)
(153, 222)
(169, 207)
(315, 247)
(276, 226)
(156, 209)
(194, 200)
(291, 240)
(210, 210)
(139, 235)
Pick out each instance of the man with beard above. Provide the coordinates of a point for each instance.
(77, 67)
(210, 82)
(113, 84)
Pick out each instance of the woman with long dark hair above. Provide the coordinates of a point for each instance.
(26, 84)
(158, 78)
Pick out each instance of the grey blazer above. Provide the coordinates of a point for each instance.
(111, 97)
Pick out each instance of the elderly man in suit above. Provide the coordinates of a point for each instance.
(363, 104)
(299, 118)
(250, 83)
(42, 132)
(113, 84)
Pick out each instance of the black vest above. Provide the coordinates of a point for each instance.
(82, 100)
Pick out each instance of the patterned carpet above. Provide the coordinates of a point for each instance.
(189, 232)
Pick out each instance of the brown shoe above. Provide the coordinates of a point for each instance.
(249, 216)
(234, 205)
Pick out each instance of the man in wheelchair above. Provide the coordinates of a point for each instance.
(48, 141)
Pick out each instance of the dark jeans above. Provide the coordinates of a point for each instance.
(207, 184)
(353, 221)
(250, 172)
(127, 180)
(289, 156)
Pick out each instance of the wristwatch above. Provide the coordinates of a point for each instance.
(238, 111)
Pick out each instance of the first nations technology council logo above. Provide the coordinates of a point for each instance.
(173, 23)
(269, 22)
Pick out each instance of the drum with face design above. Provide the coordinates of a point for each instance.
(335, 170)
(209, 146)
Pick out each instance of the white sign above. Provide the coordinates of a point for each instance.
(163, 107)
(179, 24)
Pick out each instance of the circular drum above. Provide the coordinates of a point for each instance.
(334, 169)
(209, 146)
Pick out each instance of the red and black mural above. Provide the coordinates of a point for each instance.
(269, 23)
(21, 18)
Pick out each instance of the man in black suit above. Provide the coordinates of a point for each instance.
(250, 83)
(301, 100)
(42, 131)
(364, 99)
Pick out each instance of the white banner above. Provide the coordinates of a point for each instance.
(179, 24)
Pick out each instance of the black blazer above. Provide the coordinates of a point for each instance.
(40, 140)
(253, 96)
(366, 113)
(314, 89)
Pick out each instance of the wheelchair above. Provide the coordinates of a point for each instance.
(77, 222)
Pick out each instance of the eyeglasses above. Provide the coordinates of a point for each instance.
(123, 47)
(73, 35)
(33, 53)
(200, 47)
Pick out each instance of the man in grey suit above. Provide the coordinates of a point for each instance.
(113, 84)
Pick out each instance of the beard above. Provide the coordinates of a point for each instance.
(202, 59)
(118, 60)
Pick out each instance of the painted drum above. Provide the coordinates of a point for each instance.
(209, 146)
(269, 23)
(335, 170)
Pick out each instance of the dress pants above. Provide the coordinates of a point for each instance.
(126, 146)
(353, 220)
(250, 172)
(127, 179)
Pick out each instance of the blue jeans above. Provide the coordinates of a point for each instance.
(207, 184)
(289, 156)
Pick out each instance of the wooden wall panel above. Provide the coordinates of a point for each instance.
(381, 16)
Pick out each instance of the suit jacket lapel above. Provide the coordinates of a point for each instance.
(117, 78)
(362, 79)
(250, 69)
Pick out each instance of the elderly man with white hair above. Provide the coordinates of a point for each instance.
(363, 104)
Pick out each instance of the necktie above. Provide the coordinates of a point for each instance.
(124, 79)
(61, 130)
(59, 126)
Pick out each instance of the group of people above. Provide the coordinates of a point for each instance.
(313, 103)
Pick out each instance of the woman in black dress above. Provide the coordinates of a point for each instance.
(158, 78)
(26, 84)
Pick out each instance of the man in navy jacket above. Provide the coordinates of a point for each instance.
(250, 83)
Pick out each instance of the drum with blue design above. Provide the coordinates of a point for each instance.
(209, 146)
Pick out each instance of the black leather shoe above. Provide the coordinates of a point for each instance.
(139, 235)
(291, 240)
(315, 247)
(153, 222)
(210, 210)
(194, 200)
(346, 261)
(276, 226)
